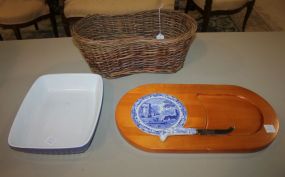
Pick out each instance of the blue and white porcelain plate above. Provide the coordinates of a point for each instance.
(157, 112)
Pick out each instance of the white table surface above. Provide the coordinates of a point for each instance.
(252, 60)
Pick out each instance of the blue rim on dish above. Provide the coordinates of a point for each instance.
(157, 112)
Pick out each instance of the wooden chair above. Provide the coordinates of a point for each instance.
(76, 9)
(16, 14)
(210, 8)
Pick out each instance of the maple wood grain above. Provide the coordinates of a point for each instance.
(209, 107)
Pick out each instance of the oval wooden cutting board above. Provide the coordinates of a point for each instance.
(208, 107)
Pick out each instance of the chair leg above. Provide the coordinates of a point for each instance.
(189, 6)
(1, 39)
(36, 26)
(176, 4)
(66, 25)
(17, 33)
(248, 12)
(54, 25)
(206, 19)
(206, 15)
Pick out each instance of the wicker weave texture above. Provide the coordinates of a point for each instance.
(120, 45)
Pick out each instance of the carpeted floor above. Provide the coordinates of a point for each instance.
(217, 24)
(256, 22)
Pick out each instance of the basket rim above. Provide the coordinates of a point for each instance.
(190, 33)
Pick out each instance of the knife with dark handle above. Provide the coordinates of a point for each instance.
(193, 131)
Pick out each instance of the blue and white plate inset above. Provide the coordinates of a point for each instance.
(157, 112)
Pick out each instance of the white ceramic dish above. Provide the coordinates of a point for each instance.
(59, 113)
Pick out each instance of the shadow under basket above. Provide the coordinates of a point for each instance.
(120, 45)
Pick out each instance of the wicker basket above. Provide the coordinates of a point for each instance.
(121, 45)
